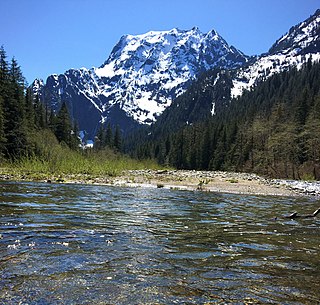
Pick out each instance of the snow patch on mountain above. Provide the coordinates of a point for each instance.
(144, 73)
(265, 67)
(37, 87)
(299, 45)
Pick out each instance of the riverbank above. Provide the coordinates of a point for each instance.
(217, 181)
(209, 181)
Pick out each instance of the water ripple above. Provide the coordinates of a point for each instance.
(74, 244)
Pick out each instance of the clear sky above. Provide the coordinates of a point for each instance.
(52, 36)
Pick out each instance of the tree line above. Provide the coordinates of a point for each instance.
(272, 129)
(108, 137)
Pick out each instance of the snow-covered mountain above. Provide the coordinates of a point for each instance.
(141, 77)
(300, 44)
(145, 73)
(213, 91)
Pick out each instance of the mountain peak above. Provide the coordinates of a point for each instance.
(301, 38)
(212, 34)
(141, 77)
(152, 69)
(299, 45)
(195, 29)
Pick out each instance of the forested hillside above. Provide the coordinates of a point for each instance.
(274, 130)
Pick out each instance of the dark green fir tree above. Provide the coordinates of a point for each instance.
(62, 126)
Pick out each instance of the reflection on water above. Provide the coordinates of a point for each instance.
(69, 244)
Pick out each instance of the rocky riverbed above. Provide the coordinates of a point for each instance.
(210, 181)
(218, 181)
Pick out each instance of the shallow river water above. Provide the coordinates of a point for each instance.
(76, 244)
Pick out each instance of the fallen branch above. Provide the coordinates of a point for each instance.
(295, 215)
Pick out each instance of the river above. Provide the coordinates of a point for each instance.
(82, 244)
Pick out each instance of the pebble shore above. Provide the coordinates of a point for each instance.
(208, 181)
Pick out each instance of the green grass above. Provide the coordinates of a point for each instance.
(65, 161)
(54, 160)
(233, 180)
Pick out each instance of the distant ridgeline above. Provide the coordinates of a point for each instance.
(139, 80)
(272, 129)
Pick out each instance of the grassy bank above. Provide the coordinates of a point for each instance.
(90, 164)
(54, 160)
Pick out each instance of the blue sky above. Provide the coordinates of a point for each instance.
(47, 36)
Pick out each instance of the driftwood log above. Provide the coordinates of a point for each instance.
(295, 215)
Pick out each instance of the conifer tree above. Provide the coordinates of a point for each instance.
(14, 113)
(63, 125)
(4, 71)
(3, 86)
(117, 139)
(39, 114)
(109, 136)
(30, 111)
(75, 138)
(2, 134)
(178, 151)
(100, 138)
(206, 149)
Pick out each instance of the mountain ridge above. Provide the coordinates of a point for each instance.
(297, 46)
(141, 77)
(215, 89)
(145, 73)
